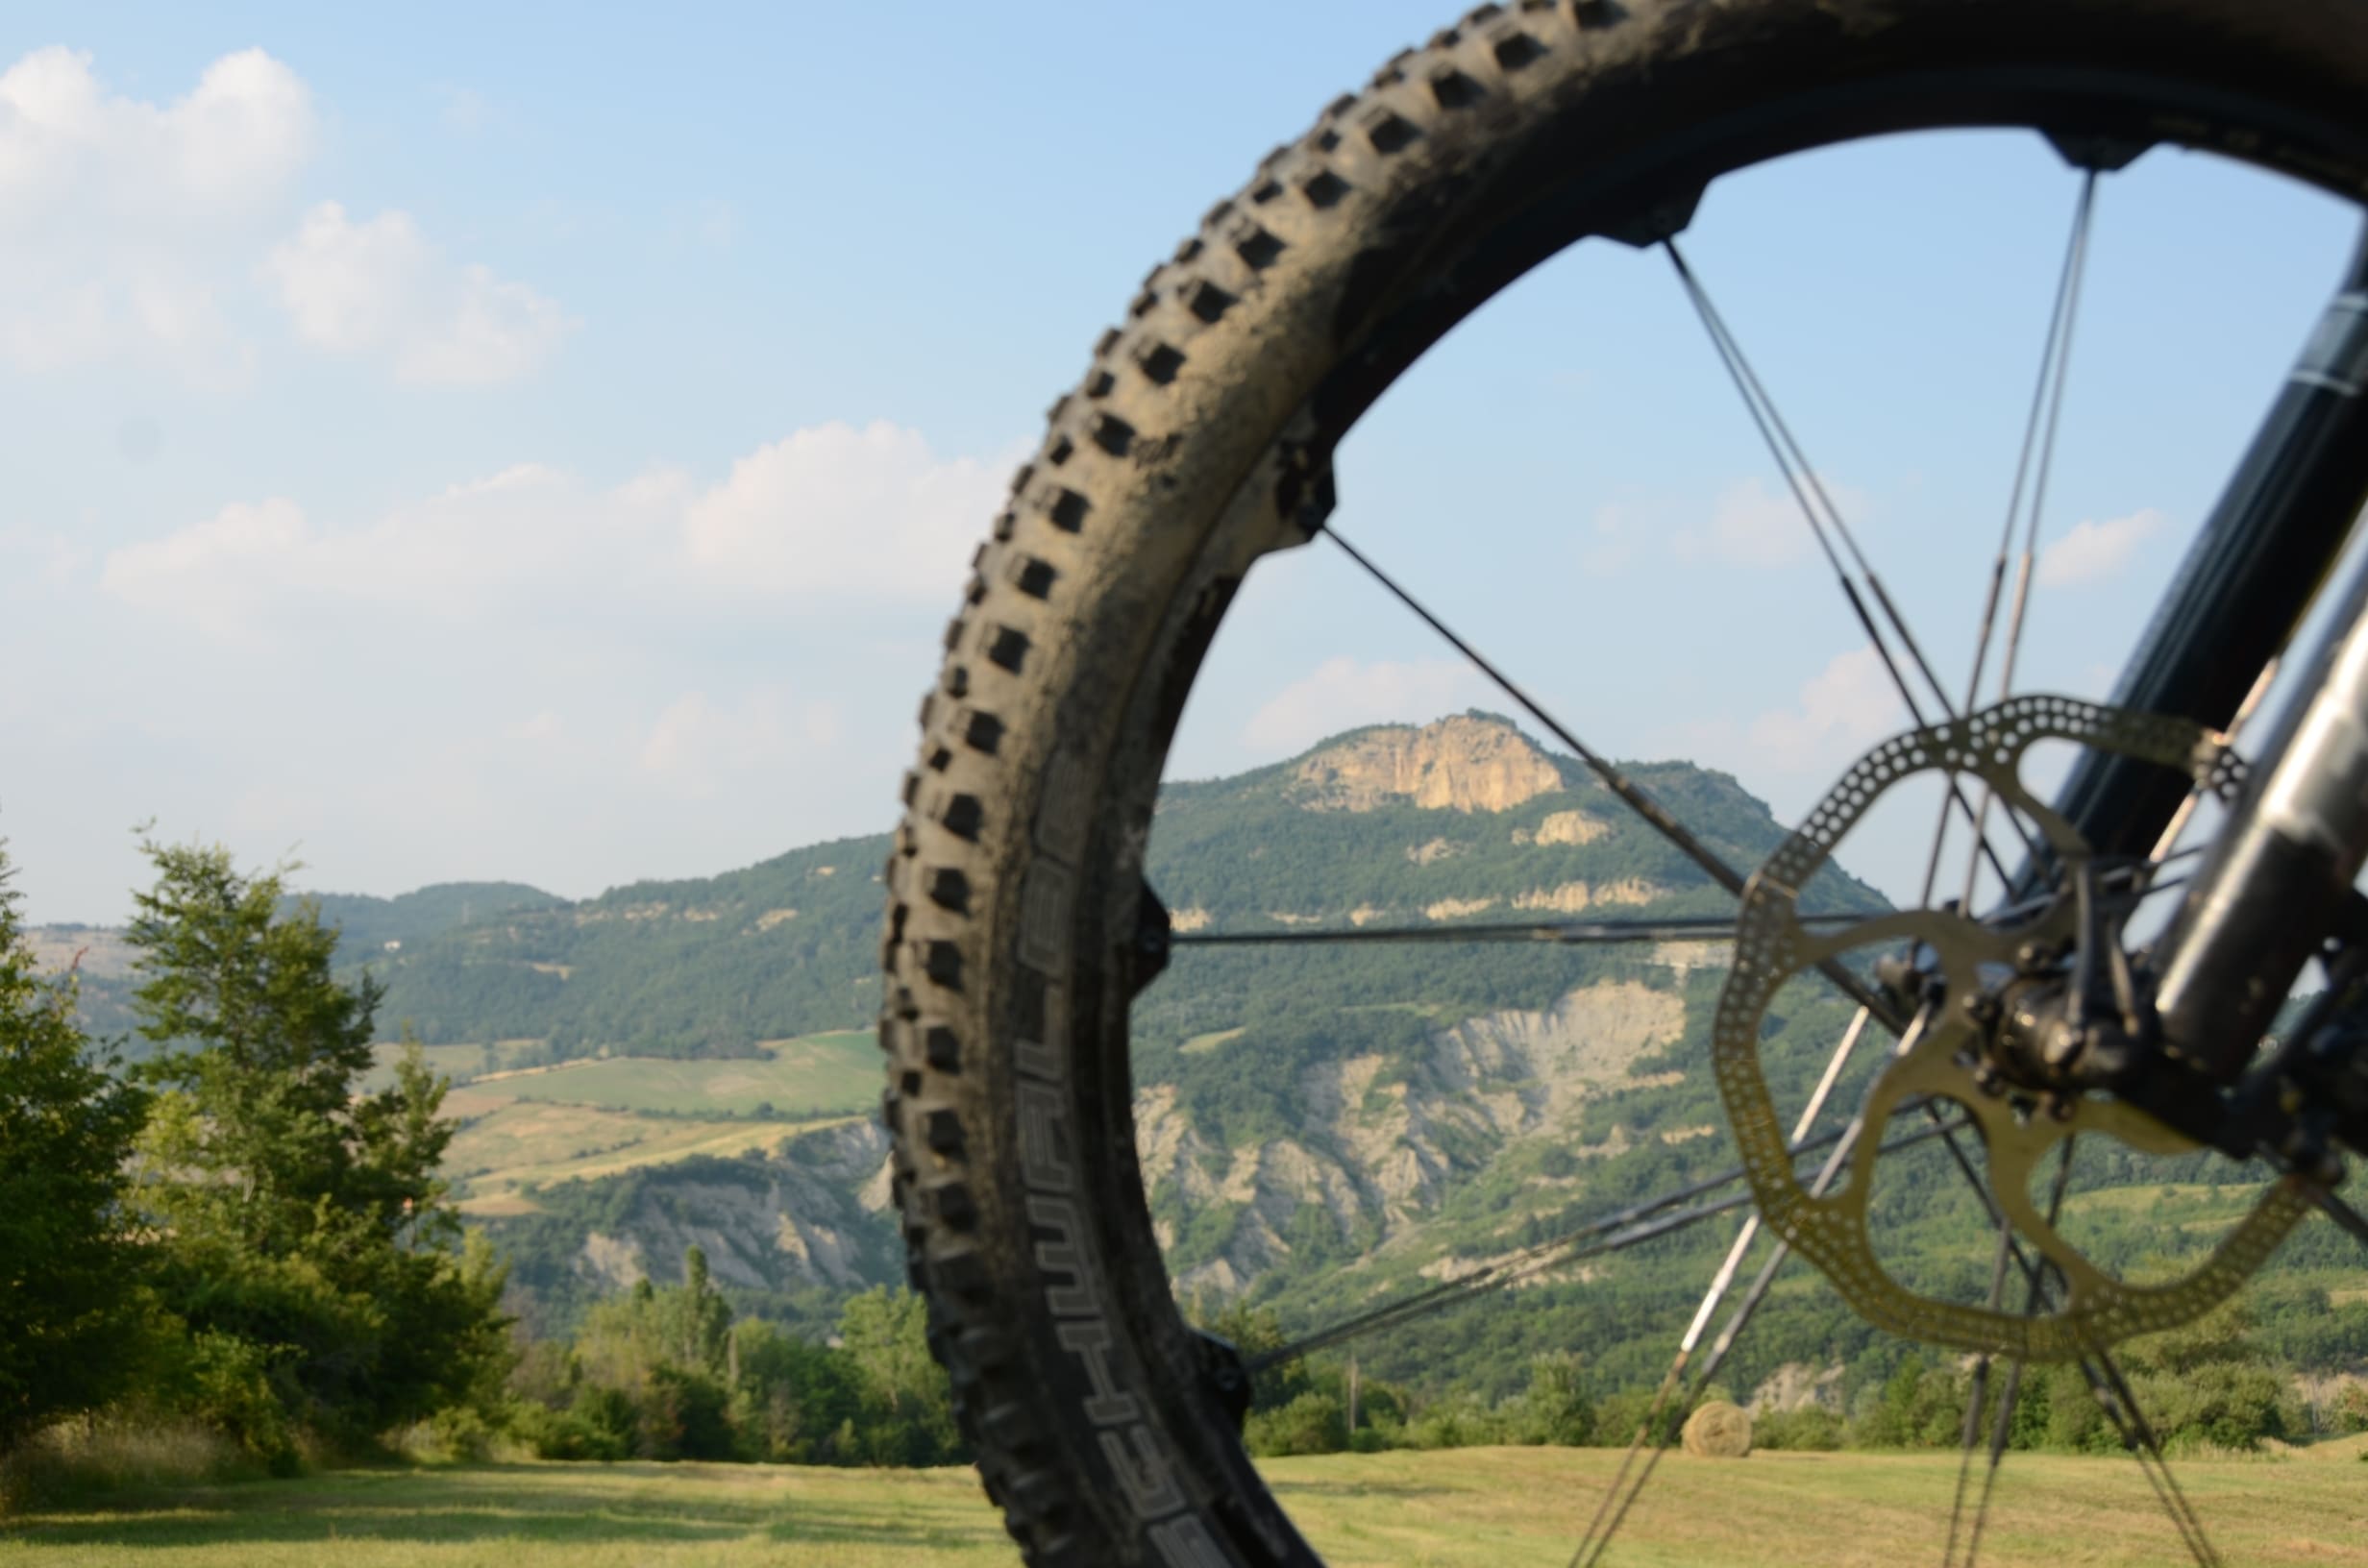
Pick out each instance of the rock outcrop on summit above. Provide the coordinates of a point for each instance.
(1464, 763)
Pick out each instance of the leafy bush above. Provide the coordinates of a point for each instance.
(1920, 1407)
(1457, 1421)
(1312, 1423)
(1555, 1409)
(1810, 1429)
(1618, 1417)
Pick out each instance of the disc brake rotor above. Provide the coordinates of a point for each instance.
(1939, 1055)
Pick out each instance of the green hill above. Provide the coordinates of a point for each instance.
(1321, 1127)
(367, 924)
(701, 967)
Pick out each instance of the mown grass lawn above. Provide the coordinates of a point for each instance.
(1473, 1508)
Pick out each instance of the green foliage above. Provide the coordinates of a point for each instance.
(1312, 1423)
(66, 1258)
(701, 967)
(666, 1373)
(1920, 1407)
(2206, 1384)
(309, 1250)
(791, 1395)
(1556, 1408)
(904, 1403)
(1811, 1429)
(1252, 1330)
(1620, 1415)
(366, 925)
(1459, 1420)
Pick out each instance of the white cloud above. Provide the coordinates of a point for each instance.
(1841, 711)
(121, 220)
(530, 541)
(134, 229)
(698, 747)
(1755, 525)
(833, 510)
(711, 223)
(379, 287)
(1750, 526)
(463, 110)
(67, 148)
(2092, 551)
(1342, 694)
(833, 507)
(53, 557)
(214, 573)
(1613, 544)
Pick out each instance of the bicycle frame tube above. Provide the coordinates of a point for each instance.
(2279, 874)
(2256, 565)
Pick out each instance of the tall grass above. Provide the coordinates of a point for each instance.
(99, 1456)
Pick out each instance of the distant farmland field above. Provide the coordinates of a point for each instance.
(1467, 1508)
(525, 1126)
(815, 1075)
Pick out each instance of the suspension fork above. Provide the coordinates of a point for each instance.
(2280, 874)
(2278, 877)
(2257, 563)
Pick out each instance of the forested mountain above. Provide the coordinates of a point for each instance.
(1466, 819)
(699, 967)
(366, 925)
(369, 928)
(1321, 1128)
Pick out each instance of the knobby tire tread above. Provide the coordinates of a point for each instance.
(1084, 592)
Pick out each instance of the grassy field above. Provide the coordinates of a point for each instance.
(1473, 1508)
(818, 1074)
(523, 1126)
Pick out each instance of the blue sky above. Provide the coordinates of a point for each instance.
(545, 444)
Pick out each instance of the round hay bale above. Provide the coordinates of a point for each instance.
(1718, 1431)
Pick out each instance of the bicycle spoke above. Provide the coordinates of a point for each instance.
(1571, 933)
(2106, 1383)
(1615, 1506)
(1617, 782)
(1977, 1390)
(2351, 1219)
(1625, 1228)
(2002, 1425)
(1736, 1321)
(1801, 478)
(1656, 815)
(2040, 429)
(2139, 1439)
(2067, 310)
(1725, 1275)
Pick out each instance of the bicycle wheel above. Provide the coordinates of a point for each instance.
(1020, 926)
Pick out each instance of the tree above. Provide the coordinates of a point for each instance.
(69, 1261)
(1556, 1408)
(906, 1404)
(791, 1395)
(698, 1320)
(305, 1218)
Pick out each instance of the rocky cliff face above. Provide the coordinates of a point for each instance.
(810, 1214)
(1465, 763)
(1297, 1117)
(1380, 1150)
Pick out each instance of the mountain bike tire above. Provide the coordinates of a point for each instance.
(1018, 926)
